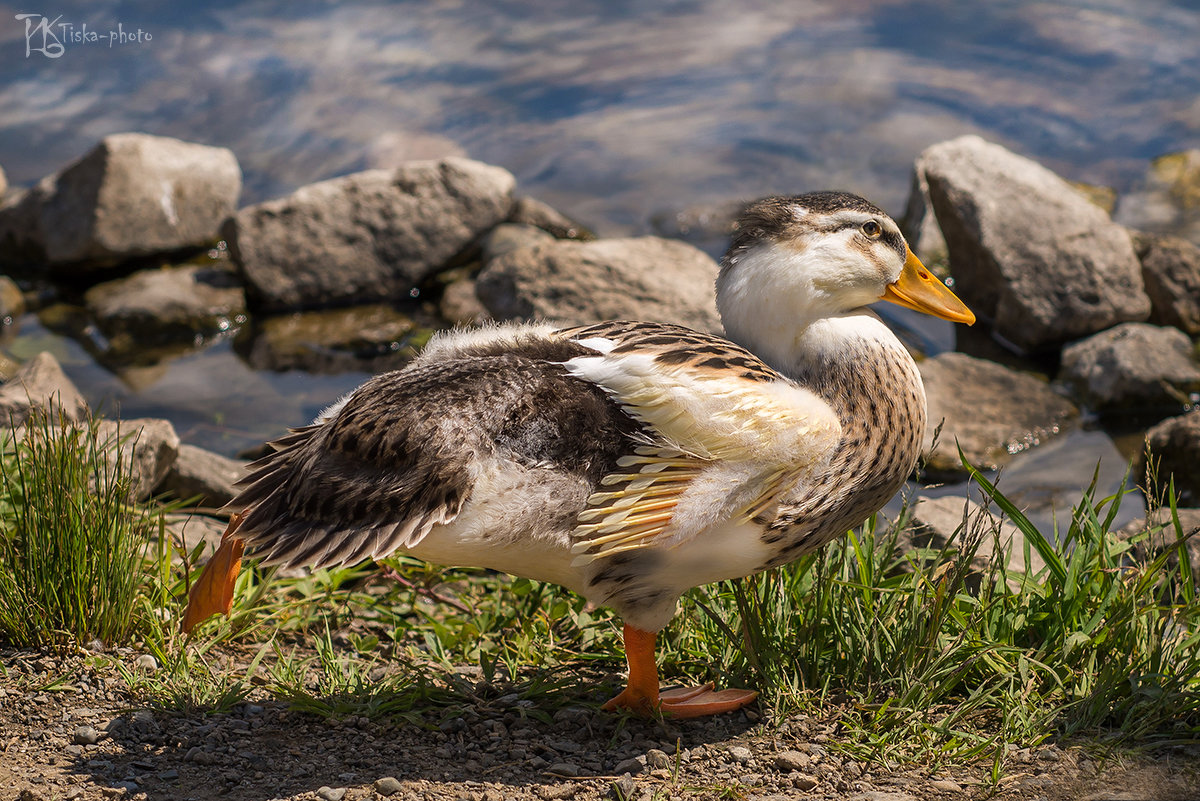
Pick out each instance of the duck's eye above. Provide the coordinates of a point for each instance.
(872, 229)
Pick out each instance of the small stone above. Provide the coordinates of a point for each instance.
(146, 663)
(804, 782)
(657, 759)
(740, 754)
(74, 750)
(86, 735)
(622, 789)
(388, 785)
(631, 766)
(564, 769)
(331, 793)
(169, 775)
(192, 753)
(946, 785)
(792, 760)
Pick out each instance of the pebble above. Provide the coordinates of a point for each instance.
(388, 785)
(946, 785)
(169, 775)
(792, 760)
(146, 663)
(631, 766)
(657, 759)
(331, 793)
(740, 754)
(804, 783)
(622, 788)
(564, 769)
(74, 750)
(86, 735)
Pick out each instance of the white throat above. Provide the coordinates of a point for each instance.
(772, 305)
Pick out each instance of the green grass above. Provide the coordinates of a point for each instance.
(933, 656)
(72, 545)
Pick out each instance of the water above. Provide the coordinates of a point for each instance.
(619, 114)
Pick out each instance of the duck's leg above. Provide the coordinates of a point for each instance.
(641, 695)
(212, 593)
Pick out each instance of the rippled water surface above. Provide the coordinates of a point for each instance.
(622, 115)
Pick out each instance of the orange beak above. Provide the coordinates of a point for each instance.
(920, 290)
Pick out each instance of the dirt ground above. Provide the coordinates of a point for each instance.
(88, 738)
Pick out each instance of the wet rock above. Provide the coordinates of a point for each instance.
(989, 410)
(147, 444)
(1171, 273)
(40, 383)
(460, 305)
(507, 237)
(1134, 367)
(1027, 250)
(133, 195)
(12, 301)
(919, 223)
(371, 338)
(938, 522)
(1157, 532)
(198, 472)
(1174, 448)
(365, 237)
(579, 282)
(154, 307)
(528, 211)
(1169, 200)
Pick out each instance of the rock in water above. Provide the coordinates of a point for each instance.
(646, 278)
(1135, 368)
(1028, 250)
(367, 237)
(134, 195)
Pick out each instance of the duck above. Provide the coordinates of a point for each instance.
(628, 461)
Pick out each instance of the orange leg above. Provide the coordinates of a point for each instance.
(213, 592)
(642, 697)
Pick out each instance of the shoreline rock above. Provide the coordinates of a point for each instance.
(367, 237)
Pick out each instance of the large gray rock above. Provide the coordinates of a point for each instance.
(175, 304)
(1028, 250)
(955, 521)
(133, 195)
(529, 211)
(366, 237)
(1134, 367)
(646, 278)
(40, 383)
(919, 223)
(989, 410)
(149, 445)
(1171, 273)
(1174, 452)
(209, 476)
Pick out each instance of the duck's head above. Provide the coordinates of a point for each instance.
(796, 260)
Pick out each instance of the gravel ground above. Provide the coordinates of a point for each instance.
(91, 739)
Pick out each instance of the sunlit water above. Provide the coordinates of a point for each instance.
(619, 114)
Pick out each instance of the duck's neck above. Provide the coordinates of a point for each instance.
(859, 367)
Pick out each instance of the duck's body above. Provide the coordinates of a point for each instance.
(627, 461)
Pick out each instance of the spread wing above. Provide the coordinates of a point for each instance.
(724, 435)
